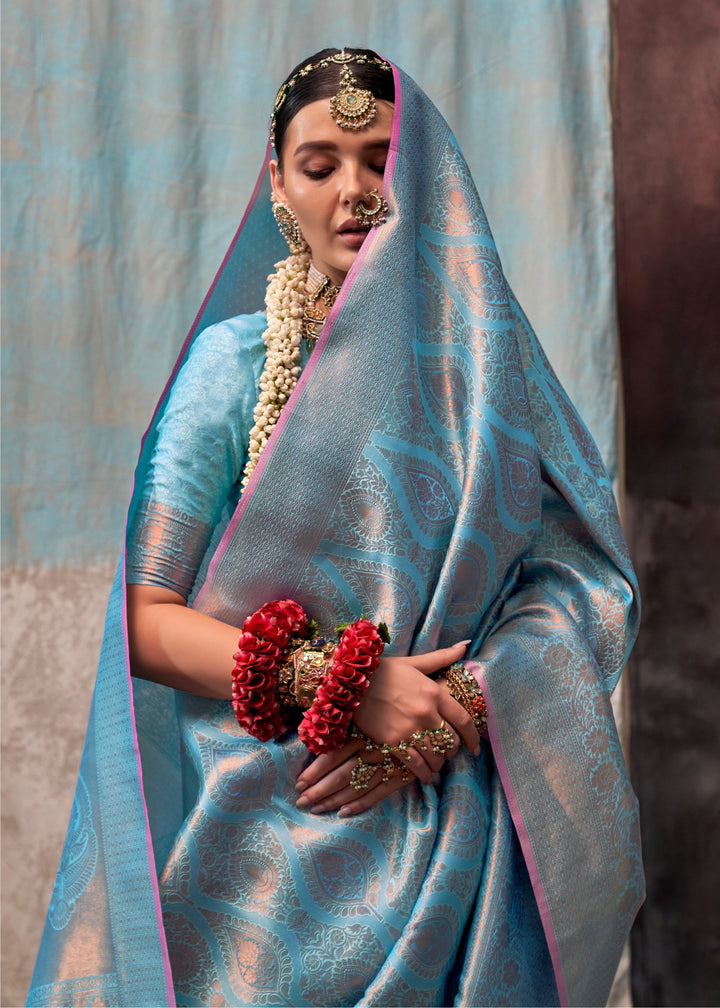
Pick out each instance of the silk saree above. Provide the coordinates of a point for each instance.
(429, 471)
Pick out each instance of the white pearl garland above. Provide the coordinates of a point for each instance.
(285, 302)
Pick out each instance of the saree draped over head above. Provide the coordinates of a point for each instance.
(429, 471)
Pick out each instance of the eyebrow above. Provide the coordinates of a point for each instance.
(320, 145)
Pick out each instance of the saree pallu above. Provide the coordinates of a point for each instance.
(428, 471)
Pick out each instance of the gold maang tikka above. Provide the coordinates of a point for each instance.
(352, 107)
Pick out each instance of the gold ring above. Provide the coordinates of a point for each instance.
(362, 774)
(441, 740)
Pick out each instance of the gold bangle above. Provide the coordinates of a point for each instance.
(302, 671)
(464, 688)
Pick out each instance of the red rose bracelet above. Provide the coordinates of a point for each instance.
(262, 647)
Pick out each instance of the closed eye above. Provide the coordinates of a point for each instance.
(317, 174)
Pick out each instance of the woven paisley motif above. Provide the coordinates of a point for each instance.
(461, 813)
(194, 972)
(343, 877)
(478, 279)
(446, 383)
(79, 859)
(456, 209)
(256, 961)
(339, 964)
(388, 593)
(429, 493)
(432, 938)
(235, 778)
(261, 878)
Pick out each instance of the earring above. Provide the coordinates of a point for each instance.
(287, 222)
(372, 215)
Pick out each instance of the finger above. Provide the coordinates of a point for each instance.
(322, 793)
(423, 753)
(433, 661)
(323, 764)
(367, 800)
(420, 763)
(345, 792)
(460, 721)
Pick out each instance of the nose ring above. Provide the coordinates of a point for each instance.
(371, 209)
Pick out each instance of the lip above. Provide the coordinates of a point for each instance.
(352, 233)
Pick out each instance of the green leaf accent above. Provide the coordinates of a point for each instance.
(384, 633)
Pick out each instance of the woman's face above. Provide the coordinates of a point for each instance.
(326, 170)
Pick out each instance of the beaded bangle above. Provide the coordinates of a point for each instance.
(464, 688)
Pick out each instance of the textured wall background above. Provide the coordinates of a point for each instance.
(668, 214)
(132, 134)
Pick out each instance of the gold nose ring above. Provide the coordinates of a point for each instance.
(371, 209)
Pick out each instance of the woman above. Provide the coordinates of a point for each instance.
(389, 440)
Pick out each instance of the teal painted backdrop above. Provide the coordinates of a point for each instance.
(132, 134)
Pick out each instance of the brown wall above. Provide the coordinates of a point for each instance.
(667, 129)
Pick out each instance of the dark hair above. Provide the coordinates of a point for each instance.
(325, 82)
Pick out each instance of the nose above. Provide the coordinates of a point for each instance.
(357, 181)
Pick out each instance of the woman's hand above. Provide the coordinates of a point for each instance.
(401, 700)
(325, 784)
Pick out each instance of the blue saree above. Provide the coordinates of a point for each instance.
(428, 471)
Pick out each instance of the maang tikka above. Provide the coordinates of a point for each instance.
(352, 107)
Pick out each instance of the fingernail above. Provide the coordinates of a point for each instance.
(317, 809)
(300, 786)
(302, 802)
(344, 812)
(464, 643)
(476, 750)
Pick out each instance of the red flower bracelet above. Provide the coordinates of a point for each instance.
(263, 642)
(325, 724)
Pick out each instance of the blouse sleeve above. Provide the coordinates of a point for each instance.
(193, 472)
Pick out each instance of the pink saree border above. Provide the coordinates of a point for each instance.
(321, 344)
(523, 835)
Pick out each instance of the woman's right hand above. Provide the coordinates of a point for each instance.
(400, 700)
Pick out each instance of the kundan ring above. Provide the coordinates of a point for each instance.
(362, 774)
(441, 740)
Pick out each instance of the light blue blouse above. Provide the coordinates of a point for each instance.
(193, 479)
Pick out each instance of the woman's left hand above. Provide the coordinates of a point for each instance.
(325, 786)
